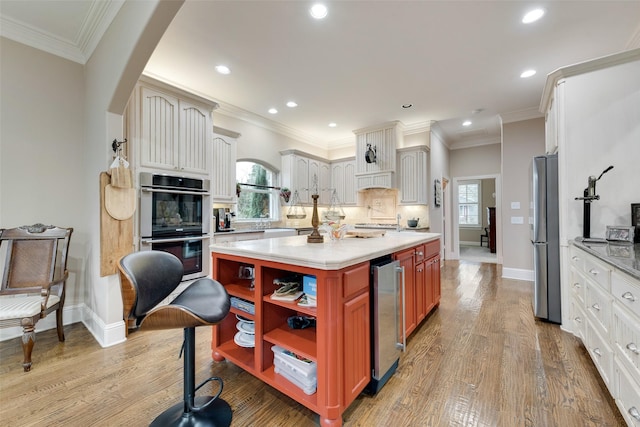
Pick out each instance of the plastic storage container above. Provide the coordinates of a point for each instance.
(301, 372)
(240, 304)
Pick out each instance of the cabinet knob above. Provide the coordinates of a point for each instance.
(629, 296)
(575, 258)
(596, 306)
(634, 413)
(419, 253)
(597, 352)
(633, 348)
(578, 319)
(594, 272)
(576, 285)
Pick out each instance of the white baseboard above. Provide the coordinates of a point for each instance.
(517, 274)
(70, 314)
(106, 334)
(465, 243)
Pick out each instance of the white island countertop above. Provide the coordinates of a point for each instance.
(329, 255)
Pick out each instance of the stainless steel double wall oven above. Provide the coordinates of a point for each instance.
(175, 218)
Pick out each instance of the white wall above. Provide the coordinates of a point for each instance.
(602, 129)
(256, 142)
(521, 142)
(42, 150)
(439, 169)
(110, 76)
(475, 161)
(58, 121)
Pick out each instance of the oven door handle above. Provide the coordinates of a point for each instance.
(159, 190)
(180, 239)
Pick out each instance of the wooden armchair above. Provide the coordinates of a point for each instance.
(33, 280)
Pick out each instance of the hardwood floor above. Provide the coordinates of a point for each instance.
(479, 360)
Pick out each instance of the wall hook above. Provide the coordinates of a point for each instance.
(115, 145)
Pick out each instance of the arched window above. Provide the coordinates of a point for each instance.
(258, 199)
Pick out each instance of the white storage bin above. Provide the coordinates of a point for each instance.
(295, 366)
(301, 373)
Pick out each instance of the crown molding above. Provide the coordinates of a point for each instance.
(584, 67)
(347, 142)
(459, 145)
(519, 115)
(437, 131)
(41, 40)
(95, 24)
(418, 127)
(634, 40)
(230, 110)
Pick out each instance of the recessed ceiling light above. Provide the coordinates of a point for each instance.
(223, 69)
(532, 16)
(527, 73)
(332, 125)
(407, 105)
(273, 111)
(318, 11)
(291, 104)
(466, 123)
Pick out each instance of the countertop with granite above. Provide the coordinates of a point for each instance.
(623, 256)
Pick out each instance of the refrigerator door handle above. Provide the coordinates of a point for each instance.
(402, 345)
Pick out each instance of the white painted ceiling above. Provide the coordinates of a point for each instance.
(358, 66)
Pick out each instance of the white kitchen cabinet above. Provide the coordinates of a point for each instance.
(384, 139)
(605, 315)
(413, 176)
(551, 118)
(226, 237)
(343, 180)
(295, 175)
(269, 233)
(320, 175)
(300, 171)
(325, 183)
(223, 180)
(170, 129)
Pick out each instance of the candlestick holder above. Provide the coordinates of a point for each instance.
(315, 236)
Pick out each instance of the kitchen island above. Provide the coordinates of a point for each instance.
(339, 343)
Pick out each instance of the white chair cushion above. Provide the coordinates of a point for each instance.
(23, 306)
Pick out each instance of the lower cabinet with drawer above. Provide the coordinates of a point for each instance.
(422, 282)
(628, 395)
(605, 313)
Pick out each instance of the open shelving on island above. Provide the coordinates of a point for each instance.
(339, 343)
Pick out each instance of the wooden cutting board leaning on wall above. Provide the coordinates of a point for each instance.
(116, 236)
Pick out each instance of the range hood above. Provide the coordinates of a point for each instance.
(376, 155)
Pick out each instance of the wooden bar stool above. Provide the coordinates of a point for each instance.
(147, 278)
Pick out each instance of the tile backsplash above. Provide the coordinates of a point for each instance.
(376, 205)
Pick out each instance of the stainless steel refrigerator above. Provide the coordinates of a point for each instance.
(545, 237)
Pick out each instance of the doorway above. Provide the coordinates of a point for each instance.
(472, 195)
